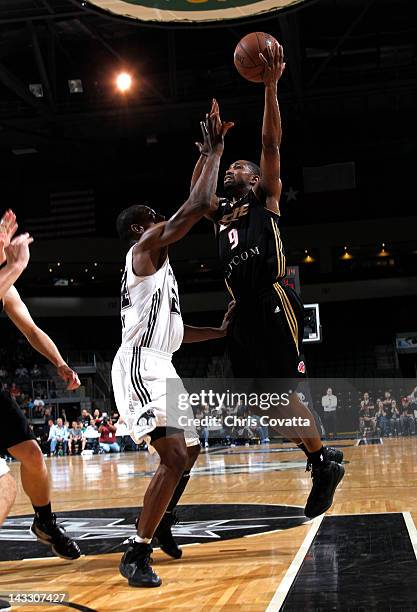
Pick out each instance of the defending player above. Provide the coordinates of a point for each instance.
(152, 331)
(16, 437)
(266, 334)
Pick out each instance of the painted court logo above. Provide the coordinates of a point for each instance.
(106, 530)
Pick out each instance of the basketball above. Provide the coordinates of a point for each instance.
(246, 56)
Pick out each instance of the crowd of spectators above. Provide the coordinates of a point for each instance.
(89, 433)
(29, 387)
(386, 416)
(241, 427)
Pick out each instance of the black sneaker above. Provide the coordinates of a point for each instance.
(332, 454)
(163, 536)
(135, 565)
(53, 535)
(325, 480)
(4, 606)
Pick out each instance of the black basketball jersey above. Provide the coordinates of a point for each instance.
(249, 245)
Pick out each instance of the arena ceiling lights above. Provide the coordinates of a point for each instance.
(191, 11)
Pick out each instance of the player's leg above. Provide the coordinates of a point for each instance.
(163, 534)
(282, 321)
(326, 470)
(36, 484)
(135, 563)
(7, 498)
(20, 443)
(7, 491)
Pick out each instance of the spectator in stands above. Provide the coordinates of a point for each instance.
(203, 412)
(58, 435)
(387, 401)
(35, 371)
(395, 419)
(261, 431)
(243, 430)
(75, 438)
(91, 436)
(407, 421)
(47, 412)
(367, 414)
(15, 392)
(21, 372)
(413, 399)
(382, 421)
(108, 436)
(28, 403)
(86, 417)
(3, 372)
(39, 405)
(329, 404)
(97, 417)
(122, 434)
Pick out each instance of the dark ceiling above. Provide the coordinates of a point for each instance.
(349, 94)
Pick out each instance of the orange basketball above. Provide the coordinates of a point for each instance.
(246, 56)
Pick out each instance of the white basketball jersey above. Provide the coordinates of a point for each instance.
(150, 310)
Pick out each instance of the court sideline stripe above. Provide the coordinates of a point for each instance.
(412, 530)
(291, 573)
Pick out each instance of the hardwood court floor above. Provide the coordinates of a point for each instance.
(220, 575)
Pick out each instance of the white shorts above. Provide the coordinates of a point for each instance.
(4, 468)
(139, 377)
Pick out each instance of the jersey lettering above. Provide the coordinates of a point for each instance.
(236, 213)
(175, 303)
(125, 295)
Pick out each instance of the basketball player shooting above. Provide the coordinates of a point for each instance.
(16, 437)
(266, 332)
(152, 330)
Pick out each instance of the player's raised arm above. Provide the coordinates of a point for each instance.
(269, 186)
(223, 127)
(17, 256)
(198, 203)
(202, 149)
(17, 311)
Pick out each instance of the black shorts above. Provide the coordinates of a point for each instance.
(265, 335)
(14, 426)
(163, 432)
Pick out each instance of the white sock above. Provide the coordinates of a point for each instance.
(140, 540)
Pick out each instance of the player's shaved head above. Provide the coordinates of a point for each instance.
(252, 167)
(137, 214)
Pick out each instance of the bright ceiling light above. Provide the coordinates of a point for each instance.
(123, 81)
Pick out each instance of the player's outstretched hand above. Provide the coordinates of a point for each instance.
(213, 130)
(274, 63)
(228, 316)
(69, 376)
(17, 253)
(8, 227)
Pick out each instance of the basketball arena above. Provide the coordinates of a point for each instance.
(208, 285)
